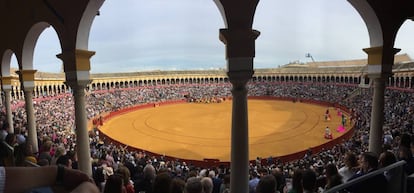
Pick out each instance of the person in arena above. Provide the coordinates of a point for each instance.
(328, 133)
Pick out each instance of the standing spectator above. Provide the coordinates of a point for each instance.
(280, 179)
(126, 178)
(309, 181)
(225, 186)
(253, 182)
(193, 185)
(297, 186)
(207, 184)
(267, 184)
(114, 184)
(216, 181)
(177, 185)
(162, 183)
(145, 183)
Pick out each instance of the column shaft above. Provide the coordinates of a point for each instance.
(7, 99)
(377, 116)
(31, 121)
(82, 137)
(239, 141)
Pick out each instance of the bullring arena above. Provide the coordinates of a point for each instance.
(198, 131)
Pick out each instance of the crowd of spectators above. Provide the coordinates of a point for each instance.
(142, 171)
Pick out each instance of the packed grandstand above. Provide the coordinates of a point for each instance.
(333, 83)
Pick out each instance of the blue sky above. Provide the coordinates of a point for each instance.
(138, 35)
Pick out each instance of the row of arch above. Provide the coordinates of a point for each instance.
(44, 88)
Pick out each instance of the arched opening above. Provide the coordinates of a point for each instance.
(46, 49)
(299, 35)
(132, 36)
(405, 38)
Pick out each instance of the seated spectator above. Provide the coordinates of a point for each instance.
(333, 178)
(404, 153)
(378, 184)
(387, 158)
(23, 153)
(64, 161)
(59, 151)
(7, 150)
(351, 166)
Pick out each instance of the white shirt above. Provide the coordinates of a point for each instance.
(346, 173)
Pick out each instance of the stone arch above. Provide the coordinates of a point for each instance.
(5, 63)
(85, 24)
(30, 43)
(371, 21)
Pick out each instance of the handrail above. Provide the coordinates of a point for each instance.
(366, 177)
(9, 161)
(8, 146)
(31, 164)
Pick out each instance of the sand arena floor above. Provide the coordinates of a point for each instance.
(197, 131)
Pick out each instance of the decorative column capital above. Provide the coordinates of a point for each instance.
(77, 60)
(77, 66)
(239, 42)
(80, 84)
(239, 79)
(27, 78)
(380, 61)
(6, 83)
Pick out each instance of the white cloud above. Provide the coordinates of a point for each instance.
(135, 35)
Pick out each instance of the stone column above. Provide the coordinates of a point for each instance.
(240, 51)
(6, 86)
(380, 63)
(27, 82)
(239, 130)
(81, 123)
(77, 67)
(20, 92)
(14, 91)
(35, 92)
